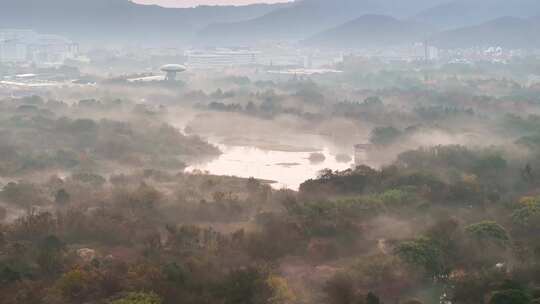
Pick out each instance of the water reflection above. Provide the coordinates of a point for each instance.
(286, 169)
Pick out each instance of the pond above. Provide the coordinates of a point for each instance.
(287, 169)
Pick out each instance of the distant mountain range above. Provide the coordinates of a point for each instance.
(510, 32)
(121, 20)
(306, 18)
(378, 31)
(319, 23)
(371, 31)
(459, 13)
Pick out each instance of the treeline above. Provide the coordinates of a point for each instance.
(38, 135)
(446, 223)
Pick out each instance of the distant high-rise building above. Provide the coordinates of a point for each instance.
(425, 52)
(12, 50)
(14, 45)
(52, 49)
(19, 46)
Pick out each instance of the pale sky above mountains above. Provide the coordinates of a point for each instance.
(191, 3)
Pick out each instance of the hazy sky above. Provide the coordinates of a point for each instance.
(189, 3)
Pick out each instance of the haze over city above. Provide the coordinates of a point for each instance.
(269, 152)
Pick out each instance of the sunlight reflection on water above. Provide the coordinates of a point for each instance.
(287, 169)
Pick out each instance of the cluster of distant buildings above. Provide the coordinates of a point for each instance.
(281, 56)
(267, 56)
(27, 46)
(29, 49)
(288, 59)
(406, 53)
(18, 46)
(420, 52)
(494, 54)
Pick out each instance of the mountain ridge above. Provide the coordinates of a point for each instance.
(461, 13)
(120, 20)
(508, 32)
(304, 19)
(370, 31)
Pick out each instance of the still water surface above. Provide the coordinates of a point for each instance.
(286, 169)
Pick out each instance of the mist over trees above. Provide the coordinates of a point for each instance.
(97, 206)
(312, 152)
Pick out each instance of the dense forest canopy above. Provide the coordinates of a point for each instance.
(308, 176)
(96, 205)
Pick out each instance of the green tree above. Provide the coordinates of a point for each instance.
(281, 293)
(245, 286)
(3, 213)
(510, 296)
(8, 275)
(371, 298)
(488, 231)
(62, 197)
(175, 273)
(384, 135)
(75, 285)
(422, 252)
(138, 298)
(50, 255)
(22, 194)
(528, 216)
(412, 301)
(340, 290)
